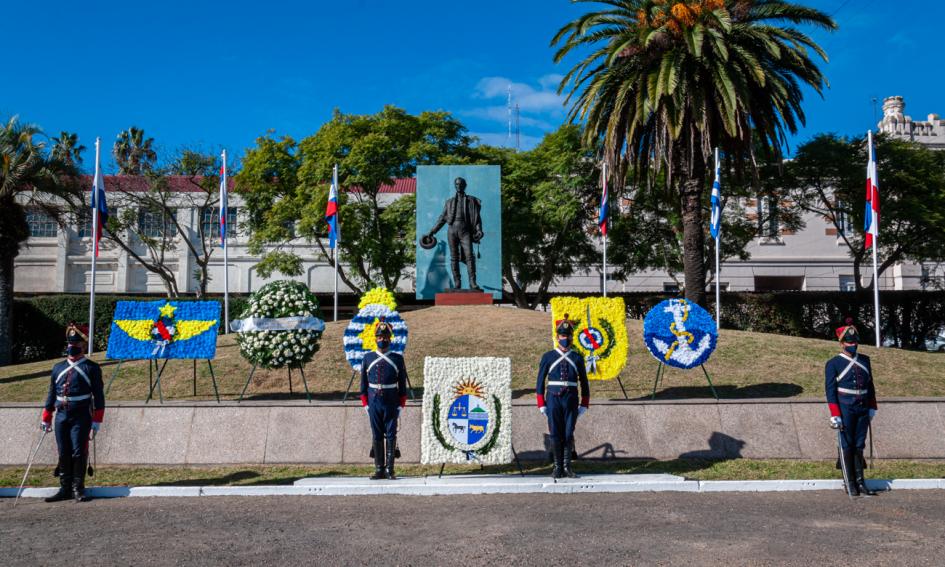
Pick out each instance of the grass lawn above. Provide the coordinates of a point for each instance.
(745, 365)
(735, 469)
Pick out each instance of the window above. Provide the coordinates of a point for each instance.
(290, 226)
(41, 224)
(83, 223)
(155, 224)
(844, 221)
(210, 217)
(769, 225)
(670, 288)
(847, 283)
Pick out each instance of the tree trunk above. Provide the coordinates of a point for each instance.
(693, 240)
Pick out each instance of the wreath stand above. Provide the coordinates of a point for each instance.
(518, 463)
(354, 374)
(298, 367)
(157, 370)
(660, 373)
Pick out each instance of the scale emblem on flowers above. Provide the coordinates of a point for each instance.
(468, 414)
(679, 333)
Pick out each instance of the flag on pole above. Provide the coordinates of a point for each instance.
(716, 222)
(602, 217)
(98, 204)
(331, 214)
(871, 218)
(223, 206)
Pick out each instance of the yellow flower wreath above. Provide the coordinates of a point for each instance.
(378, 296)
(606, 328)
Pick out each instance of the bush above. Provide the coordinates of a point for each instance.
(39, 323)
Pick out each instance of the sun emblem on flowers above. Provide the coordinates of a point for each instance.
(468, 387)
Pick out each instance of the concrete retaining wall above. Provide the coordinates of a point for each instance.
(329, 432)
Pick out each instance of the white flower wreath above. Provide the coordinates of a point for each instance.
(467, 410)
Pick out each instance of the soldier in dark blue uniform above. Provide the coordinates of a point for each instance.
(77, 397)
(383, 395)
(851, 398)
(560, 373)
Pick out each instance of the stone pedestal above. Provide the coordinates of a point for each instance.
(463, 297)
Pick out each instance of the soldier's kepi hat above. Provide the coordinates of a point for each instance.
(383, 329)
(76, 333)
(847, 333)
(564, 326)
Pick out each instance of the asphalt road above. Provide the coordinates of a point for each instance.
(812, 529)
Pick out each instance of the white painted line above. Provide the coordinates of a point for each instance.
(486, 484)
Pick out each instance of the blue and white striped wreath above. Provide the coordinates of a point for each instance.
(361, 330)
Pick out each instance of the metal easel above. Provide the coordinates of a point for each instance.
(660, 373)
(155, 369)
(308, 395)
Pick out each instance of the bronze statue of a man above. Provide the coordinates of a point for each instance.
(461, 213)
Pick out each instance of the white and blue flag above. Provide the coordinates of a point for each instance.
(716, 223)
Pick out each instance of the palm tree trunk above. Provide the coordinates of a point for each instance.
(693, 240)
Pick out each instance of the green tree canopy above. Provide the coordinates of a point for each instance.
(664, 82)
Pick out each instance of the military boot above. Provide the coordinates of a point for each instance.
(848, 461)
(558, 470)
(566, 462)
(391, 455)
(860, 476)
(378, 460)
(65, 481)
(78, 480)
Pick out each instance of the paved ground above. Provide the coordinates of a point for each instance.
(815, 528)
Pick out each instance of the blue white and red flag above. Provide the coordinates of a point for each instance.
(871, 217)
(98, 204)
(602, 217)
(331, 214)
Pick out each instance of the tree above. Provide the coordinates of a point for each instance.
(669, 81)
(67, 149)
(134, 153)
(149, 209)
(827, 176)
(549, 199)
(285, 188)
(28, 178)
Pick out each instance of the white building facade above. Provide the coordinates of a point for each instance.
(57, 259)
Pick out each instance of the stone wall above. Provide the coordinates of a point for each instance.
(329, 432)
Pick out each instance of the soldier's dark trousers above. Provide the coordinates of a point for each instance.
(383, 419)
(460, 242)
(562, 412)
(856, 422)
(72, 437)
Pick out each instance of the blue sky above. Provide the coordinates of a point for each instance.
(211, 75)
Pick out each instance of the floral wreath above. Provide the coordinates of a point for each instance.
(277, 349)
(679, 333)
(375, 306)
(600, 334)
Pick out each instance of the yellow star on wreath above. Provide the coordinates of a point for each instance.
(367, 336)
(167, 310)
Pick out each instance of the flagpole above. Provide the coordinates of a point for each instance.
(718, 295)
(603, 235)
(875, 245)
(334, 252)
(95, 233)
(226, 256)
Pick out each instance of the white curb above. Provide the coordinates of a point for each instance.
(485, 484)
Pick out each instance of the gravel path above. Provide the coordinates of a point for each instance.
(814, 528)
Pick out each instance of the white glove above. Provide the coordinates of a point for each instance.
(96, 426)
(543, 410)
(872, 413)
(399, 409)
(365, 409)
(45, 426)
(835, 422)
(581, 410)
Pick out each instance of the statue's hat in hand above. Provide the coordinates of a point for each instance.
(427, 242)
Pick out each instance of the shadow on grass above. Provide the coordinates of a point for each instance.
(230, 478)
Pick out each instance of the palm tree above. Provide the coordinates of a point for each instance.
(666, 81)
(134, 153)
(66, 148)
(25, 172)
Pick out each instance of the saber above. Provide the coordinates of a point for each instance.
(29, 464)
(869, 429)
(91, 470)
(843, 466)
